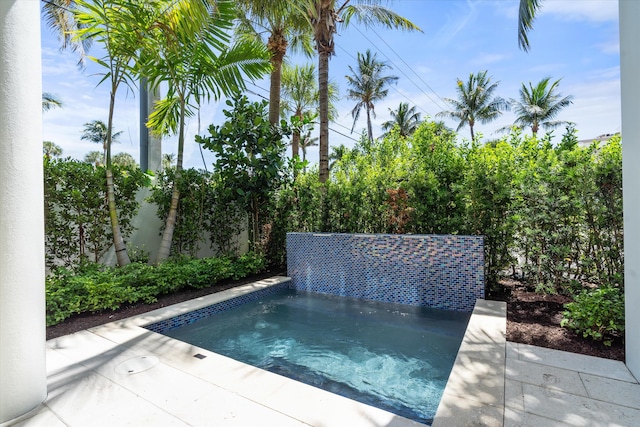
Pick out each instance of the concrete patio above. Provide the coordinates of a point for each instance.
(122, 374)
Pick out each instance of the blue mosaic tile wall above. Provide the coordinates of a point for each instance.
(187, 318)
(439, 271)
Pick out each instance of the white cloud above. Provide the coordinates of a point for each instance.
(583, 10)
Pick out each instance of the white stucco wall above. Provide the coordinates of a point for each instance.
(630, 82)
(22, 298)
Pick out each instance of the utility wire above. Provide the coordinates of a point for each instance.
(409, 67)
(405, 74)
(330, 128)
(393, 87)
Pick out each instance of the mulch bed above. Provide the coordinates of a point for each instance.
(531, 318)
(534, 319)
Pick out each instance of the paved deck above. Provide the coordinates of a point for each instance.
(546, 387)
(120, 374)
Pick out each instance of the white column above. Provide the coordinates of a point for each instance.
(630, 81)
(23, 381)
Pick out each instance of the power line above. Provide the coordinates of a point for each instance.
(394, 88)
(405, 74)
(331, 129)
(408, 66)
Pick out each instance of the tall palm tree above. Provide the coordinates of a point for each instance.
(190, 51)
(324, 16)
(475, 102)
(368, 85)
(96, 131)
(407, 119)
(49, 102)
(300, 98)
(539, 105)
(115, 24)
(306, 142)
(285, 26)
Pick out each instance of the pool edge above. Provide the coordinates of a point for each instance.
(474, 394)
(474, 391)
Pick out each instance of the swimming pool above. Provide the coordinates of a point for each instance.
(391, 356)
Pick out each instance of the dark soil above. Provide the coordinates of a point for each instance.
(531, 318)
(534, 319)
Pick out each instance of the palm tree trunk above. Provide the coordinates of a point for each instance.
(118, 242)
(323, 89)
(277, 46)
(295, 141)
(472, 135)
(369, 129)
(170, 224)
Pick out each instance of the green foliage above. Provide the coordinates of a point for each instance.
(92, 288)
(76, 213)
(203, 212)
(551, 214)
(597, 314)
(250, 165)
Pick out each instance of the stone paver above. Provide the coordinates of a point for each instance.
(547, 387)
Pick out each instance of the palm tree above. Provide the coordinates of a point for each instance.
(368, 85)
(190, 52)
(168, 160)
(94, 157)
(324, 16)
(114, 24)
(407, 119)
(49, 102)
(337, 153)
(61, 19)
(124, 159)
(286, 27)
(526, 15)
(51, 149)
(96, 131)
(539, 105)
(305, 143)
(475, 102)
(300, 98)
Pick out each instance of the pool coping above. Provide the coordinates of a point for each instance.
(474, 391)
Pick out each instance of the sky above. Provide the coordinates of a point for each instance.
(576, 41)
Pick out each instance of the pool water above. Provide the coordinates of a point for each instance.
(391, 356)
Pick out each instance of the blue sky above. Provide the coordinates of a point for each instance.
(575, 40)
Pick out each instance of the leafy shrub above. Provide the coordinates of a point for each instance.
(93, 288)
(598, 314)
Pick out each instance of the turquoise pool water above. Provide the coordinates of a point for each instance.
(391, 356)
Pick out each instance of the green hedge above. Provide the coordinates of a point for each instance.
(93, 288)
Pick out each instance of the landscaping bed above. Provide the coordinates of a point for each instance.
(532, 318)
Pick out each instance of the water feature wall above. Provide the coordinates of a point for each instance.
(438, 271)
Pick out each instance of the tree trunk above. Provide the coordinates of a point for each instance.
(277, 45)
(295, 141)
(170, 224)
(369, 128)
(323, 89)
(118, 242)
